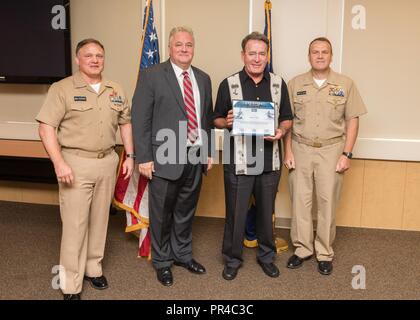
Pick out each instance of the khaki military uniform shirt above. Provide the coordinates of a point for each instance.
(84, 119)
(320, 112)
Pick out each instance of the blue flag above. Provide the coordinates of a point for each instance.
(267, 33)
(150, 44)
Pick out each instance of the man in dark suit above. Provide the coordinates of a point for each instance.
(172, 117)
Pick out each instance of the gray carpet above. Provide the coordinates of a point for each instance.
(30, 242)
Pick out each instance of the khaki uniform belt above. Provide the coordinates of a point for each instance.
(88, 154)
(317, 143)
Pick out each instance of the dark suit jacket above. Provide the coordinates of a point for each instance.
(158, 104)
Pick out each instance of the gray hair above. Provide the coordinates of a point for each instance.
(180, 29)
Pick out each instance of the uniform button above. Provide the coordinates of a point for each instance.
(258, 98)
(261, 150)
(256, 86)
(100, 109)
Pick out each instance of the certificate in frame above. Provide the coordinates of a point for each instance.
(253, 118)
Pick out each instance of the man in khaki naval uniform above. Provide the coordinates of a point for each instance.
(318, 149)
(78, 123)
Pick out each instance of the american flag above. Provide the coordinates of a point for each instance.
(131, 195)
(150, 44)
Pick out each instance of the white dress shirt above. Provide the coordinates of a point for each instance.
(197, 102)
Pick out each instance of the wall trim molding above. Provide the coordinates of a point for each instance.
(387, 149)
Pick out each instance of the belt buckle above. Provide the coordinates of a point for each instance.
(101, 155)
(317, 144)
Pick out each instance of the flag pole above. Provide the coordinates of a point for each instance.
(163, 27)
(251, 15)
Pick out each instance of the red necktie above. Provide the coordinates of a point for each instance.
(192, 130)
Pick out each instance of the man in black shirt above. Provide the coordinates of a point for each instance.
(260, 178)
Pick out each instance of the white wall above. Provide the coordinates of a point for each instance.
(294, 25)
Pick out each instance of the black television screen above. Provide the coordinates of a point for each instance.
(34, 41)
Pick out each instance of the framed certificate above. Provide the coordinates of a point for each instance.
(254, 118)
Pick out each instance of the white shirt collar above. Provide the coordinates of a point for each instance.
(179, 71)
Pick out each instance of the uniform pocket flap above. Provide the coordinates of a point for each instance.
(301, 100)
(336, 100)
(116, 107)
(80, 107)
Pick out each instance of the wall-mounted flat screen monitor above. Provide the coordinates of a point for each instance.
(34, 41)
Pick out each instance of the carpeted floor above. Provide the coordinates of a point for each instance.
(30, 242)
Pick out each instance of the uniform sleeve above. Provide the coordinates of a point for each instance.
(285, 108)
(125, 115)
(54, 107)
(223, 101)
(354, 105)
(290, 92)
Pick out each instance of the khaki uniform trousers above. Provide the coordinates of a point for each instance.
(315, 171)
(84, 208)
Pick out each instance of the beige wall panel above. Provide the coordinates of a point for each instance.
(19, 148)
(29, 192)
(21, 102)
(349, 211)
(367, 58)
(383, 61)
(10, 191)
(283, 208)
(212, 196)
(117, 24)
(411, 218)
(219, 27)
(294, 26)
(39, 193)
(383, 194)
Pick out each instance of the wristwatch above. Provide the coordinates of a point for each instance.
(348, 154)
(131, 155)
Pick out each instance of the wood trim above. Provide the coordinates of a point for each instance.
(22, 148)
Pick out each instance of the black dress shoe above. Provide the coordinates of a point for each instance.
(325, 267)
(75, 296)
(295, 262)
(99, 283)
(229, 273)
(270, 269)
(164, 276)
(192, 266)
